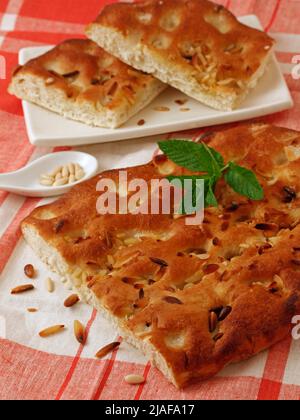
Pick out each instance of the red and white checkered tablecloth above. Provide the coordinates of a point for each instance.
(58, 369)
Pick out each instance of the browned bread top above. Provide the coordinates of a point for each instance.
(195, 34)
(84, 71)
(203, 296)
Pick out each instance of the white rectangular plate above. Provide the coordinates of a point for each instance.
(45, 128)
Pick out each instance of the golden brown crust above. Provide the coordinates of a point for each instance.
(85, 73)
(162, 279)
(196, 36)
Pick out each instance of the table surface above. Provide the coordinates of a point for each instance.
(62, 370)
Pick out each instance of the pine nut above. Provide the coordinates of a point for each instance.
(71, 168)
(71, 301)
(50, 285)
(21, 289)
(72, 179)
(60, 182)
(65, 172)
(107, 349)
(29, 271)
(56, 171)
(134, 379)
(79, 175)
(79, 332)
(51, 331)
(46, 182)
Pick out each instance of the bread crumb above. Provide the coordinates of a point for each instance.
(162, 109)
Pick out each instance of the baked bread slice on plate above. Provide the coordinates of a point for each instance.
(192, 298)
(80, 81)
(195, 46)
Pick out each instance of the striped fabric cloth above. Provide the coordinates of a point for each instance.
(57, 368)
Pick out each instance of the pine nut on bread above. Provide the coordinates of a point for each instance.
(196, 46)
(191, 315)
(80, 81)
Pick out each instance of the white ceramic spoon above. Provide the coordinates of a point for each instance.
(26, 181)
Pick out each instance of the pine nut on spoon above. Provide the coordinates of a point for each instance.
(26, 181)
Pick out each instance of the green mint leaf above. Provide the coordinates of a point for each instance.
(244, 182)
(197, 192)
(218, 160)
(210, 198)
(193, 156)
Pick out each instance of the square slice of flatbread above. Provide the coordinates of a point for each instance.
(192, 298)
(80, 81)
(195, 46)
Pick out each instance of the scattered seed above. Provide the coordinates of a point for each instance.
(32, 310)
(212, 322)
(224, 226)
(49, 81)
(29, 271)
(134, 379)
(51, 331)
(71, 301)
(59, 225)
(141, 122)
(107, 349)
(265, 226)
(91, 281)
(218, 336)
(273, 288)
(172, 300)
(160, 262)
(216, 241)
(162, 109)
(264, 248)
(108, 240)
(79, 332)
(210, 268)
(71, 74)
(217, 310)
(50, 285)
(21, 289)
(289, 195)
(224, 313)
(202, 256)
(181, 101)
(233, 207)
(160, 159)
(141, 294)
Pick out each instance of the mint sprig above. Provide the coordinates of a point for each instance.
(199, 157)
(243, 181)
